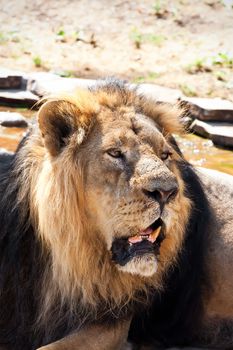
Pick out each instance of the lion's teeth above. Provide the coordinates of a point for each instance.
(135, 239)
(151, 237)
(155, 235)
(145, 237)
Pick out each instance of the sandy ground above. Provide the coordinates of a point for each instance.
(181, 44)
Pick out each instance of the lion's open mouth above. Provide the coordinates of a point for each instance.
(151, 233)
(145, 242)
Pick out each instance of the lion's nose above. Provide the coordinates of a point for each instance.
(162, 195)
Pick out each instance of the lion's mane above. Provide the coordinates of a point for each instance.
(43, 226)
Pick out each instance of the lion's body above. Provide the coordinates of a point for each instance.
(218, 300)
(101, 217)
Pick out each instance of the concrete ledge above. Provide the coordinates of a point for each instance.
(12, 119)
(17, 98)
(220, 133)
(209, 109)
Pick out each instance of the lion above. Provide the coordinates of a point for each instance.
(106, 229)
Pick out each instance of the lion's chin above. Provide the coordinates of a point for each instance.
(145, 265)
(139, 254)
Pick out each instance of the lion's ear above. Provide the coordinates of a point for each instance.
(58, 120)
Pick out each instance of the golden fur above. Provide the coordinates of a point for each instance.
(81, 261)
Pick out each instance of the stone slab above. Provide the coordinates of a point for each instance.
(5, 154)
(209, 109)
(17, 98)
(43, 84)
(160, 93)
(10, 81)
(220, 133)
(13, 119)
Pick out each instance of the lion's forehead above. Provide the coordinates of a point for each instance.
(130, 130)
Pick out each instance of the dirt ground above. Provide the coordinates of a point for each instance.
(181, 44)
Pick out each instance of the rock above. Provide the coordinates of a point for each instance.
(17, 98)
(4, 152)
(209, 109)
(220, 133)
(10, 82)
(12, 119)
(10, 79)
(5, 156)
(160, 93)
(43, 84)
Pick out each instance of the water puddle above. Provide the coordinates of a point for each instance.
(202, 152)
(10, 137)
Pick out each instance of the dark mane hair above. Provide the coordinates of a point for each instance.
(173, 317)
(18, 247)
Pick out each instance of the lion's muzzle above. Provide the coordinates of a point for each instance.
(161, 195)
(145, 242)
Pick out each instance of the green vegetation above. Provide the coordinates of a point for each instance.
(21, 109)
(188, 90)
(138, 38)
(159, 9)
(223, 59)
(76, 35)
(151, 76)
(163, 9)
(199, 65)
(220, 75)
(3, 38)
(154, 39)
(9, 36)
(37, 61)
(61, 32)
(207, 64)
(66, 73)
(14, 36)
(62, 35)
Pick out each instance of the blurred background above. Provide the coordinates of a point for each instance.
(181, 44)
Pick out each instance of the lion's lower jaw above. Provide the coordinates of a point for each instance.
(145, 265)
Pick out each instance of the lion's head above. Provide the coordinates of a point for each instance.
(106, 192)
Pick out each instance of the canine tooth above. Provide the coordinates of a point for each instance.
(154, 235)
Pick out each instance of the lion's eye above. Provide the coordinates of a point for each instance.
(115, 153)
(165, 155)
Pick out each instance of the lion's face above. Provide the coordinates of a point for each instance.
(130, 186)
(133, 194)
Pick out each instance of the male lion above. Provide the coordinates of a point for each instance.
(102, 220)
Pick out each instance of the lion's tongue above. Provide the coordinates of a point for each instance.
(147, 234)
